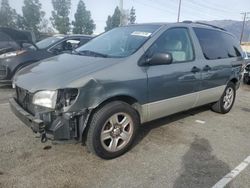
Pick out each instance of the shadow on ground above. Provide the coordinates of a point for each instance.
(145, 129)
(200, 167)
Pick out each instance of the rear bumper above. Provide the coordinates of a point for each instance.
(29, 120)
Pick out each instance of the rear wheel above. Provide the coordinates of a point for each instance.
(112, 130)
(225, 104)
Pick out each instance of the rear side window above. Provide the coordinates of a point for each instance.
(216, 44)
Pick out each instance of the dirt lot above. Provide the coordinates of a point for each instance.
(177, 151)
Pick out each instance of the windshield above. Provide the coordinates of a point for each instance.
(119, 42)
(45, 43)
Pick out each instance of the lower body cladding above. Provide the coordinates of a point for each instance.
(63, 126)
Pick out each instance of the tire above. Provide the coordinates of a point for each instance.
(221, 106)
(112, 130)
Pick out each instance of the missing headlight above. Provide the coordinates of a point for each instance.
(66, 97)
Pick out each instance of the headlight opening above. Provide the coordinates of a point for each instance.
(66, 97)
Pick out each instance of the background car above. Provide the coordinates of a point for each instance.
(246, 55)
(11, 62)
(13, 40)
(246, 72)
(246, 76)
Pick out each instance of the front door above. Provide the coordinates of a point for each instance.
(173, 88)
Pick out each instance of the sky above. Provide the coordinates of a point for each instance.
(155, 10)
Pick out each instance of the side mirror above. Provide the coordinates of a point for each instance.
(160, 59)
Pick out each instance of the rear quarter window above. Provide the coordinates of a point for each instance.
(217, 44)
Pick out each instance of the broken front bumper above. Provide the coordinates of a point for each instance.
(65, 126)
(29, 120)
(35, 124)
(5, 82)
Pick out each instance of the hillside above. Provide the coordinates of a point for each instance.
(233, 27)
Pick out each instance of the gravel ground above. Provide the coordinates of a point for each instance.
(176, 151)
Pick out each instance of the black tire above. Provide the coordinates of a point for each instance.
(99, 120)
(219, 105)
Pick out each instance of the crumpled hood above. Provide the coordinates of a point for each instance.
(66, 70)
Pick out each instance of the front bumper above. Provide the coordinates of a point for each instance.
(65, 126)
(5, 82)
(35, 124)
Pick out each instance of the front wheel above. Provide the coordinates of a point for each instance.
(112, 130)
(225, 104)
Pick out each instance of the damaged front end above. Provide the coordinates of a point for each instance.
(49, 113)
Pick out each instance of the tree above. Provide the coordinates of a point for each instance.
(44, 26)
(116, 18)
(32, 15)
(60, 15)
(83, 23)
(20, 22)
(132, 16)
(108, 24)
(7, 15)
(113, 21)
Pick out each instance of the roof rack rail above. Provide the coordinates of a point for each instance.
(187, 21)
(201, 23)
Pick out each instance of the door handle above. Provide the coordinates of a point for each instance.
(207, 68)
(195, 69)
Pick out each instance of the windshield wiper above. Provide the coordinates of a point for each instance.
(91, 53)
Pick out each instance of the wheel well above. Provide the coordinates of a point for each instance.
(123, 98)
(234, 80)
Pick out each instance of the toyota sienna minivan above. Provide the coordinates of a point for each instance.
(130, 75)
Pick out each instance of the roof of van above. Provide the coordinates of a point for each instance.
(185, 23)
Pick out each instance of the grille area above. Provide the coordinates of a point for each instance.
(24, 98)
(3, 71)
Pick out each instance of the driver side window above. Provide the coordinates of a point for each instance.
(175, 41)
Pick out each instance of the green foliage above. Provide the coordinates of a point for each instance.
(113, 21)
(132, 16)
(60, 15)
(20, 22)
(83, 23)
(44, 26)
(7, 15)
(108, 24)
(32, 15)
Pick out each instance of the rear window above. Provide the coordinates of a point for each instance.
(216, 44)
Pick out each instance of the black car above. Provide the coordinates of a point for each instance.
(11, 62)
(246, 77)
(13, 40)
